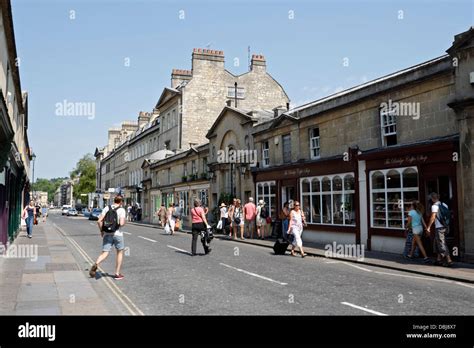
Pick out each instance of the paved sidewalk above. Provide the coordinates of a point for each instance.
(462, 272)
(48, 281)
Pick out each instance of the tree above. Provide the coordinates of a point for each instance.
(48, 185)
(85, 171)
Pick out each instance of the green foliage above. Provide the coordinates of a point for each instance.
(86, 172)
(47, 185)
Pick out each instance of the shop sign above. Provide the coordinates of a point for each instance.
(407, 160)
(296, 172)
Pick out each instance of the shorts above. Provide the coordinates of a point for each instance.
(240, 224)
(112, 239)
(417, 230)
(261, 221)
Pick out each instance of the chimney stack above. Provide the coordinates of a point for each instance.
(143, 118)
(205, 59)
(258, 63)
(180, 75)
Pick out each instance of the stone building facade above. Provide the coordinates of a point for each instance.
(356, 159)
(181, 119)
(178, 179)
(15, 152)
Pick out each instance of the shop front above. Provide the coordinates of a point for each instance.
(328, 193)
(396, 177)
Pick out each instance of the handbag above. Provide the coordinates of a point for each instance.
(177, 225)
(269, 220)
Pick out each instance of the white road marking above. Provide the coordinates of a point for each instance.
(364, 309)
(253, 274)
(362, 268)
(127, 233)
(416, 277)
(131, 307)
(463, 284)
(151, 240)
(184, 251)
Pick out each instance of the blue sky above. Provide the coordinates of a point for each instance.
(84, 59)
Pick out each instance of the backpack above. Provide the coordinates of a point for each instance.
(263, 213)
(443, 215)
(110, 222)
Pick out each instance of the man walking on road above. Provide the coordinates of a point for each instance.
(110, 221)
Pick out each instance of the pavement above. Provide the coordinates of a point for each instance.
(41, 276)
(236, 278)
(463, 272)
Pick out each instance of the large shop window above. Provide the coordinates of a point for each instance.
(267, 191)
(391, 192)
(329, 200)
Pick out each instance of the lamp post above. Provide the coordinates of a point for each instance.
(33, 158)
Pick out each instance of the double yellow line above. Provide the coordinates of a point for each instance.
(124, 299)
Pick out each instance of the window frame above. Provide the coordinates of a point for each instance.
(331, 193)
(313, 147)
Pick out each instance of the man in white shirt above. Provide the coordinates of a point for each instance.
(440, 246)
(109, 239)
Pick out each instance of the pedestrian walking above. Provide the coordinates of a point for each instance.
(231, 214)
(171, 218)
(199, 226)
(284, 217)
(416, 225)
(440, 216)
(29, 214)
(161, 213)
(237, 220)
(129, 213)
(110, 221)
(44, 212)
(295, 228)
(262, 216)
(224, 216)
(250, 213)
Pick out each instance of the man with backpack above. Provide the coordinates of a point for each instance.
(110, 221)
(440, 216)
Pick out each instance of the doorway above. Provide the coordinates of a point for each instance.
(287, 193)
(442, 180)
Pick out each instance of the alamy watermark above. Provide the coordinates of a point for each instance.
(346, 251)
(68, 108)
(237, 156)
(410, 109)
(22, 251)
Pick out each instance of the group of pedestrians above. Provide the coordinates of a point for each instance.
(170, 218)
(134, 212)
(416, 226)
(236, 219)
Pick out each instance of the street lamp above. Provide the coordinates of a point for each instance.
(33, 158)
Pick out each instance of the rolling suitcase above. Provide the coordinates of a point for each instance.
(280, 246)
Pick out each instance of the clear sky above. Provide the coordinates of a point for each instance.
(118, 55)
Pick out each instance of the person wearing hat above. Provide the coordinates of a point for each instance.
(224, 215)
(262, 213)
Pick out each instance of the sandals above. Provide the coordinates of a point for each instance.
(293, 253)
(303, 255)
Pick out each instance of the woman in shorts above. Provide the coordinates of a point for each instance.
(417, 225)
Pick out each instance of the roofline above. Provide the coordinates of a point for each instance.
(368, 84)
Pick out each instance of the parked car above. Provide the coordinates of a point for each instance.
(71, 212)
(95, 213)
(86, 212)
(65, 209)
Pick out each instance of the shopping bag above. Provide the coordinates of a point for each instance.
(219, 225)
(167, 229)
